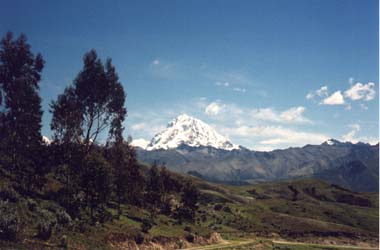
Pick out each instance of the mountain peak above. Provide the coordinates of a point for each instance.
(190, 131)
(331, 142)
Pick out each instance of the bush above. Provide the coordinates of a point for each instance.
(32, 204)
(46, 224)
(45, 230)
(10, 222)
(146, 226)
(218, 207)
(190, 237)
(227, 209)
(139, 238)
(63, 242)
(63, 218)
(8, 193)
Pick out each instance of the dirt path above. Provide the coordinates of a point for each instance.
(225, 244)
(323, 245)
(230, 244)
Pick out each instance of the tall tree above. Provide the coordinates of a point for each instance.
(154, 189)
(92, 104)
(190, 195)
(20, 73)
(118, 157)
(135, 182)
(97, 181)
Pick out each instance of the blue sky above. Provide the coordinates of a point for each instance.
(266, 74)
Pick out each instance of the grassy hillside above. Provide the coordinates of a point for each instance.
(291, 209)
(302, 209)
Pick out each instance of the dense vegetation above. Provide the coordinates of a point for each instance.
(73, 180)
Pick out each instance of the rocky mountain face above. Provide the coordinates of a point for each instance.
(191, 146)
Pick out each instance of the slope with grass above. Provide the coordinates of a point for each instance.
(308, 210)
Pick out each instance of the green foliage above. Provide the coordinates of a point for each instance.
(189, 200)
(32, 204)
(146, 226)
(7, 193)
(154, 189)
(96, 181)
(20, 116)
(92, 104)
(46, 224)
(10, 222)
(135, 182)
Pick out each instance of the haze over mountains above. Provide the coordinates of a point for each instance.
(189, 145)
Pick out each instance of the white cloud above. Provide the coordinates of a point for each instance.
(225, 84)
(292, 115)
(348, 107)
(351, 80)
(228, 85)
(142, 143)
(139, 126)
(321, 92)
(276, 136)
(214, 108)
(335, 99)
(361, 91)
(242, 90)
(363, 106)
(350, 136)
(309, 96)
(353, 137)
(156, 62)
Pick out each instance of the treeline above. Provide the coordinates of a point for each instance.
(84, 177)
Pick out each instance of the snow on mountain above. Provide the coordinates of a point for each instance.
(46, 140)
(333, 142)
(189, 131)
(141, 143)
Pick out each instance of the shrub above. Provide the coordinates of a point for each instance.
(139, 238)
(8, 193)
(63, 218)
(10, 222)
(45, 230)
(32, 204)
(218, 207)
(227, 209)
(63, 242)
(146, 226)
(46, 224)
(190, 237)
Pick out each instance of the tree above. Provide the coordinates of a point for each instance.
(154, 189)
(20, 73)
(92, 104)
(97, 181)
(135, 181)
(189, 199)
(118, 157)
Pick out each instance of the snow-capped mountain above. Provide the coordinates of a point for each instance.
(189, 131)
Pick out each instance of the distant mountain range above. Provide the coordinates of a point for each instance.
(188, 145)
